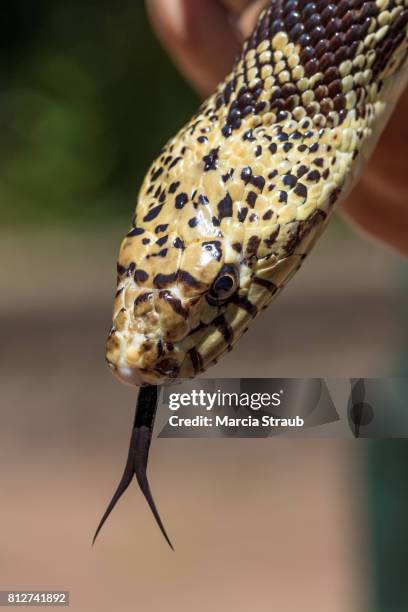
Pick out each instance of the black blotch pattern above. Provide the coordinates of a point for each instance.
(327, 33)
(156, 174)
(225, 207)
(301, 190)
(303, 228)
(211, 160)
(136, 231)
(174, 186)
(246, 174)
(258, 182)
(245, 304)
(252, 246)
(203, 200)
(161, 281)
(242, 215)
(141, 276)
(161, 241)
(188, 279)
(251, 198)
(269, 242)
(178, 244)
(226, 177)
(181, 200)
(224, 327)
(175, 161)
(153, 213)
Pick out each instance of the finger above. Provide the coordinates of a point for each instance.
(237, 6)
(378, 213)
(378, 203)
(199, 36)
(248, 17)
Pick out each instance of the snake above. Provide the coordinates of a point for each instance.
(235, 202)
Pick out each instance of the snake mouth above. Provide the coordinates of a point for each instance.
(129, 376)
(165, 371)
(141, 359)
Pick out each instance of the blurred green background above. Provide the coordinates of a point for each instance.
(88, 98)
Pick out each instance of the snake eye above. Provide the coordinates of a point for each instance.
(224, 285)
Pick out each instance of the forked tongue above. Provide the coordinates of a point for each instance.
(138, 456)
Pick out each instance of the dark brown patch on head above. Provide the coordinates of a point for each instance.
(161, 281)
(141, 299)
(141, 276)
(187, 279)
(175, 303)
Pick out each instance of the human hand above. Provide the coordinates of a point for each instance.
(204, 36)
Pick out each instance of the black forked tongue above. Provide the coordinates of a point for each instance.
(138, 456)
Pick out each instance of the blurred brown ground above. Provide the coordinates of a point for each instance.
(257, 524)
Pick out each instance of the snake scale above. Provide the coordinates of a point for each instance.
(236, 200)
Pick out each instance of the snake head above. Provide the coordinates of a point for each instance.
(168, 295)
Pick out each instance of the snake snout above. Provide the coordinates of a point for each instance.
(139, 360)
(143, 346)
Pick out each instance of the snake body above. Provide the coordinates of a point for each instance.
(235, 201)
